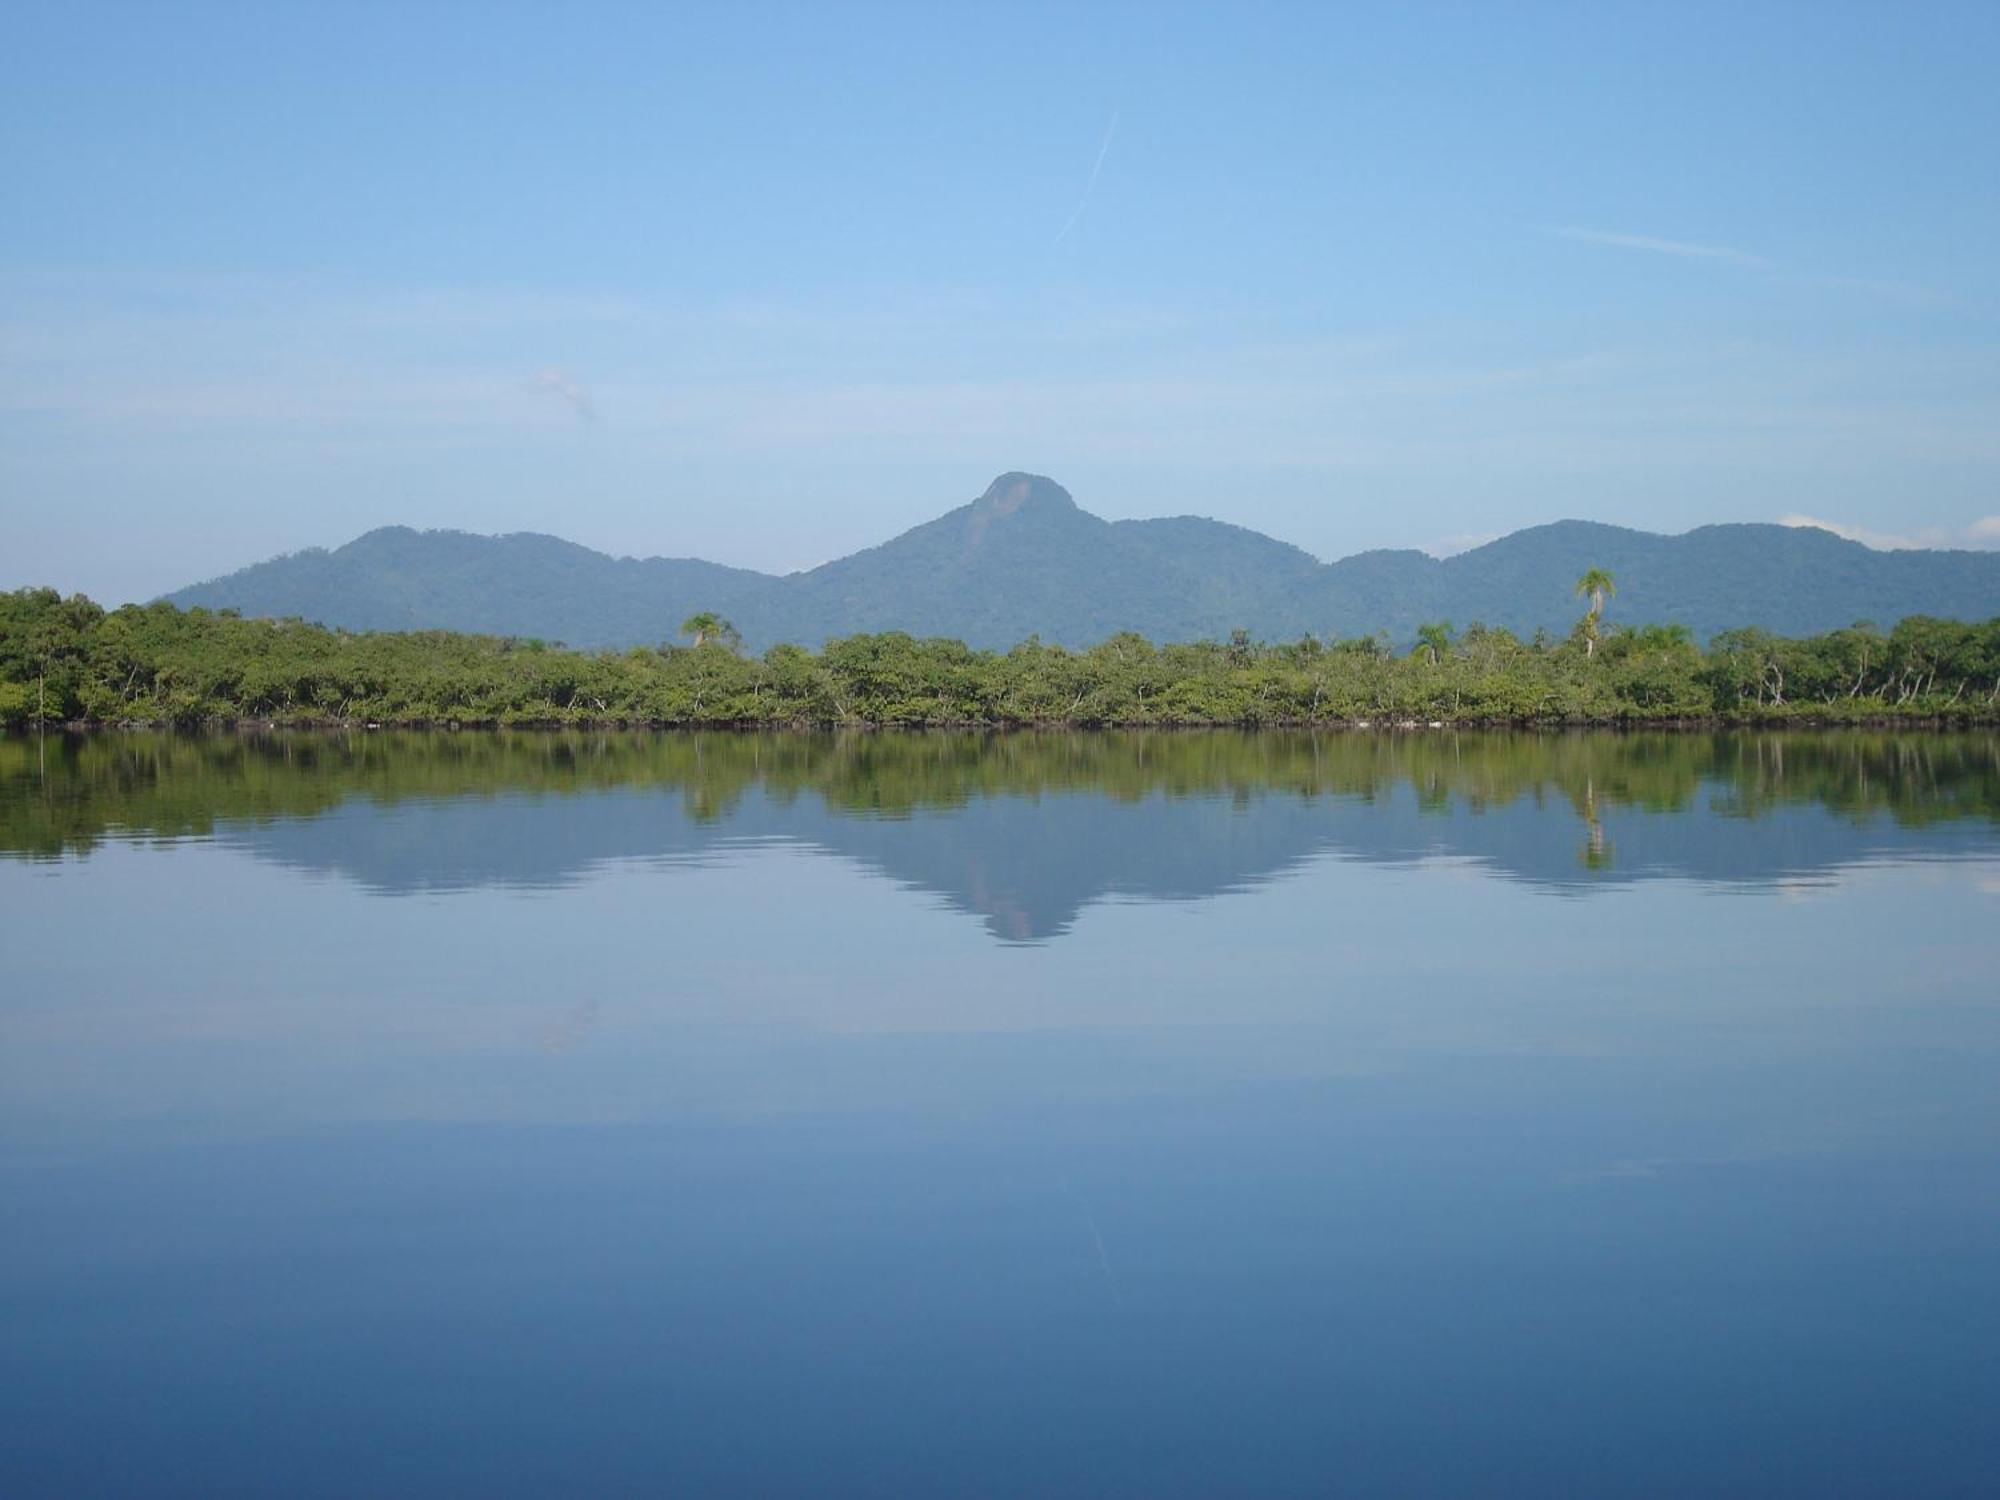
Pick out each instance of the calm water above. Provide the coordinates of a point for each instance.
(1082, 1115)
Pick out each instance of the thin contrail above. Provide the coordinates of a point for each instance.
(1091, 186)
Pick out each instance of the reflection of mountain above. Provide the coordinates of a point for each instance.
(1029, 866)
(1026, 831)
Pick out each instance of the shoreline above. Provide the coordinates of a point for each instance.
(1986, 717)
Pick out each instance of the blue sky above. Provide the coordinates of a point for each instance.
(766, 284)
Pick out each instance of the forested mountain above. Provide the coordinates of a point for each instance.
(1024, 559)
(526, 585)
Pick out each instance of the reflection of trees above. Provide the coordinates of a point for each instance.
(172, 785)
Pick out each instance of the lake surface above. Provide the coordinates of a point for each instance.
(1143, 1114)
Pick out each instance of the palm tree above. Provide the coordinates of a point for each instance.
(1434, 638)
(1597, 586)
(708, 626)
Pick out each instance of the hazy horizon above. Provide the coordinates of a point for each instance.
(1440, 551)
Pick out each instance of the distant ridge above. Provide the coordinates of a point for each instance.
(1024, 559)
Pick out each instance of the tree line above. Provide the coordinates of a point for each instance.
(67, 660)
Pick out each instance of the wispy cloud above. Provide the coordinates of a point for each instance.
(1090, 187)
(1981, 534)
(1648, 244)
(1653, 245)
(555, 383)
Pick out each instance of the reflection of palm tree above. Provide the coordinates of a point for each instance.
(1597, 586)
(1596, 853)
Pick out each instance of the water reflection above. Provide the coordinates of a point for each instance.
(1474, 1158)
(1023, 830)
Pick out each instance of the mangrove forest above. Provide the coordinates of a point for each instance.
(69, 661)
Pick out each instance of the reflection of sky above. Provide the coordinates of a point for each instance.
(651, 988)
(512, 1189)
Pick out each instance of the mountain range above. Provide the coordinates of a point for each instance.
(1024, 559)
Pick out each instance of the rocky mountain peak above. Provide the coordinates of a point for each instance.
(1015, 492)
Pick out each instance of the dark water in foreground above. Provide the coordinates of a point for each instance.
(1126, 1114)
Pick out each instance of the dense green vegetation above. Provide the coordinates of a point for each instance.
(67, 792)
(1025, 559)
(67, 660)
